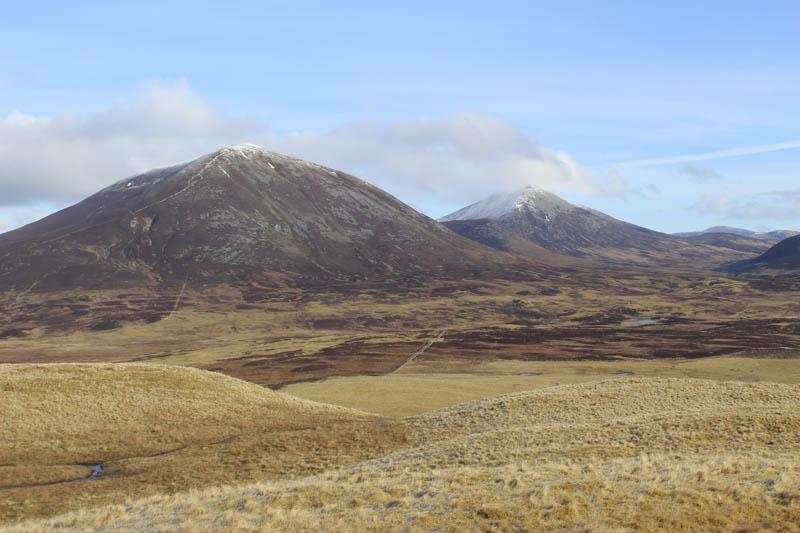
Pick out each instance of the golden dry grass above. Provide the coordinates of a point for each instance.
(78, 413)
(158, 428)
(627, 454)
(428, 385)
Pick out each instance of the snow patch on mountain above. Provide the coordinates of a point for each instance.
(498, 206)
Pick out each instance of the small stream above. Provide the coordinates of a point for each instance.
(97, 470)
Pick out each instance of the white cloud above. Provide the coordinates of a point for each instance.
(457, 158)
(65, 157)
(460, 157)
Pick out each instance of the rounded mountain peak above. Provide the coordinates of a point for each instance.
(250, 153)
(498, 206)
(243, 149)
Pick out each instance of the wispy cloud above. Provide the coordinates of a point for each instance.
(786, 194)
(700, 174)
(719, 154)
(745, 209)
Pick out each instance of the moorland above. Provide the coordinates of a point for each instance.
(301, 351)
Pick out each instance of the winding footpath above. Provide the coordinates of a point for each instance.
(419, 352)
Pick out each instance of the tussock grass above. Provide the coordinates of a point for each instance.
(629, 454)
(158, 428)
(79, 413)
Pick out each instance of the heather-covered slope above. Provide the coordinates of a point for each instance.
(783, 257)
(241, 211)
(495, 235)
(732, 241)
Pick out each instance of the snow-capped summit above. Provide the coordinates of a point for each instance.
(498, 206)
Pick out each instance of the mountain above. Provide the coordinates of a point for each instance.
(766, 236)
(781, 257)
(552, 222)
(240, 211)
(571, 229)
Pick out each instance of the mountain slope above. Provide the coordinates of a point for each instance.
(784, 256)
(578, 231)
(238, 211)
(732, 241)
(499, 237)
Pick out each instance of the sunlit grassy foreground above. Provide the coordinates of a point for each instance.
(625, 454)
(157, 429)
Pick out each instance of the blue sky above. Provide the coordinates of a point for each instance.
(578, 97)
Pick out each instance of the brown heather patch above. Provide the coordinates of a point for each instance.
(621, 455)
(278, 336)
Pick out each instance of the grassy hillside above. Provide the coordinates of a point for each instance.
(627, 454)
(157, 428)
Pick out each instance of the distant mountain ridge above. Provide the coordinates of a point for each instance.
(766, 236)
(574, 230)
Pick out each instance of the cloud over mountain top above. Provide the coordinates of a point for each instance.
(459, 157)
